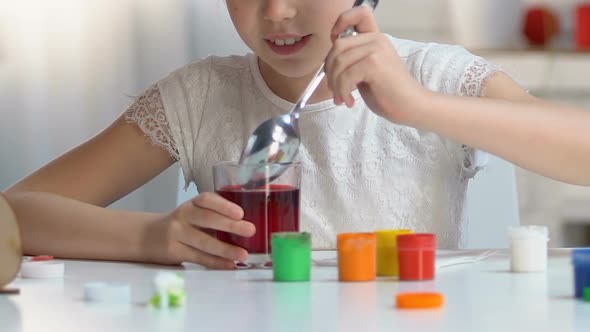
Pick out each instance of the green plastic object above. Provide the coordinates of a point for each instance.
(291, 256)
(169, 290)
(587, 294)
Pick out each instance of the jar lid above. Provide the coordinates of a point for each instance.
(416, 241)
(357, 238)
(107, 292)
(581, 256)
(292, 238)
(524, 232)
(420, 300)
(388, 237)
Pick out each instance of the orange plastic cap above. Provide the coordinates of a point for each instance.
(420, 300)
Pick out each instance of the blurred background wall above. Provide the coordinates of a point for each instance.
(68, 68)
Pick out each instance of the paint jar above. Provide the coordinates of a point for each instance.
(581, 262)
(387, 262)
(528, 246)
(416, 254)
(357, 256)
(291, 256)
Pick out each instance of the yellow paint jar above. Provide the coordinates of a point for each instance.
(387, 259)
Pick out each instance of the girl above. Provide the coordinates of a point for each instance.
(400, 156)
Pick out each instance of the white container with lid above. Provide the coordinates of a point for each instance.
(528, 246)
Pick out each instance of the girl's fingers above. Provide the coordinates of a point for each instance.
(336, 66)
(348, 80)
(361, 18)
(344, 45)
(214, 212)
(219, 204)
(191, 255)
(205, 218)
(212, 220)
(197, 239)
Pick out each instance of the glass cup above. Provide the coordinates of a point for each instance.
(273, 207)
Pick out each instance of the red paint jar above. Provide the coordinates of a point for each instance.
(416, 254)
(583, 27)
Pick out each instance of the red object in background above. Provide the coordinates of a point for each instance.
(281, 206)
(541, 26)
(583, 27)
(416, 253)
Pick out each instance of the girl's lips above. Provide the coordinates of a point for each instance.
(288, 49)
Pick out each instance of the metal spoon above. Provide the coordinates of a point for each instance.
(275, 143)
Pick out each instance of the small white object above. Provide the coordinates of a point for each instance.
(42, 270)
(528, 246)
(111, 293)
(168, 281)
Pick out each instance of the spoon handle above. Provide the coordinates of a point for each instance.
(313, 85)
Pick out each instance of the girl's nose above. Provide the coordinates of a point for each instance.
(279, 10)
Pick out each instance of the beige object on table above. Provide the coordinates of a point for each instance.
(10, 244)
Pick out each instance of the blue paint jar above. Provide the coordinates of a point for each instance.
(581, 262)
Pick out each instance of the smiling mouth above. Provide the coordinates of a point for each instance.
(283, 42)
(287, 46)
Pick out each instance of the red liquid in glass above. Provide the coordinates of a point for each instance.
(280, 204)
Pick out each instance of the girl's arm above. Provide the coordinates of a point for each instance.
(61, 207)
(546, 138)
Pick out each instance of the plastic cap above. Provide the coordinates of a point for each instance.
(416, 241)
(420, 300)
(521, 232)
(42, 269)
(103, 292)
(581, 256)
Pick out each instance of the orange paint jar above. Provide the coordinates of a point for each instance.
(357, 256)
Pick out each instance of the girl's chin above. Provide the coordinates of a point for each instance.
(293, 69)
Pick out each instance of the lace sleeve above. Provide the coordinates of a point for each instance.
(476, 77)
(148, 113)
(473, 84)
(452, 70)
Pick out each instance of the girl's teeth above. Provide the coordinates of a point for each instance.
(288, 42)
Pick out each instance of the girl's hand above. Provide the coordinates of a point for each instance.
(185, 234)
(370, 63)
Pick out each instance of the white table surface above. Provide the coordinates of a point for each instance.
(482, 296)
